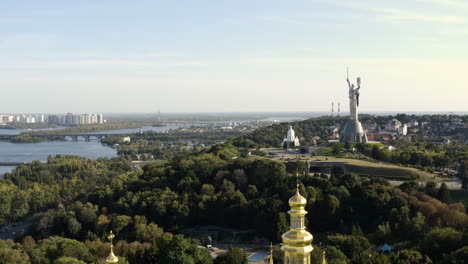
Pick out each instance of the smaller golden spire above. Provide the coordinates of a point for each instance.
(297, 199)
(297, 176)
(324, 259)
(271, 254)
(111, 258)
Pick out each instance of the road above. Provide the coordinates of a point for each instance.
(249, 249)
(453, 184)
(13, 230)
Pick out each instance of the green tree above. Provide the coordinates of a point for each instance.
(10, 252)
(278, 256)
(177, 250)
(354, 247)
(338, 171)
(73, 226)
(464, 175)
(440, 241)
(336, 149)
(460, 256)
(351, 181)
(335, 256)
(443, 194)
(347, 146)
(56, 247)
(431, 188)
(411, 257)
(120, 222)
(282, 225)
(68, 260)
(232, 256)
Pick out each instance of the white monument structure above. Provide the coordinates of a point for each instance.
(291, 139)
(353, 131)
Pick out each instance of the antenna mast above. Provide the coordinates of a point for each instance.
(333, 109)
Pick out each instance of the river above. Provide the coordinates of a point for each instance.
(27, 152)
(145, 128)
(4, 131)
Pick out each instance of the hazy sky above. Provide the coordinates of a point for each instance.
(236, 55)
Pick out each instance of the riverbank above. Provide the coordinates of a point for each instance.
(25, 126)
(28, 152)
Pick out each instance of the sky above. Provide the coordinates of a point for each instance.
(232, 56)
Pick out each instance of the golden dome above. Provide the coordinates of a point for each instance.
(112, 258)
(297, 242)
(297, 199)
(297, 237)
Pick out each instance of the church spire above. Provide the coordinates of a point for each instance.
(297, 242)
(111, 258)
(271, 254)
(324, 259)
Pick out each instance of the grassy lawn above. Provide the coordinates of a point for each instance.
(327, 151)
(387, 171)
(371, 167)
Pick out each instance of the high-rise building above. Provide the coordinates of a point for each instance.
(53, 119)
(6, 119)
(100, 119)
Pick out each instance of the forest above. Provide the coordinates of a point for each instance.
(76, 201)
(72, 203)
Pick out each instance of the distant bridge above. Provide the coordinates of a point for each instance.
(100, 135)
(76, 136)
(73, 136)
(195, 122)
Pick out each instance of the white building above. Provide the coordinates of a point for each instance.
(100, 119)
(6, 119)
(291, 139)
(370, 127)
(414, 123)
(403, 130)
(393, 125)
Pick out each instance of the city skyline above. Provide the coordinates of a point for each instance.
(207, 56)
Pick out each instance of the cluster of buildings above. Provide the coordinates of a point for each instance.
(441, 128)
(69, 119)
(26, 119)
(394, 129)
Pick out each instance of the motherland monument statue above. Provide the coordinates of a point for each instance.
(353, 131)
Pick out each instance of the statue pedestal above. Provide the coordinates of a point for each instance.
(353, 133)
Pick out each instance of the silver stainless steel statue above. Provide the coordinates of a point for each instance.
(354, 99)
(353, 131)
